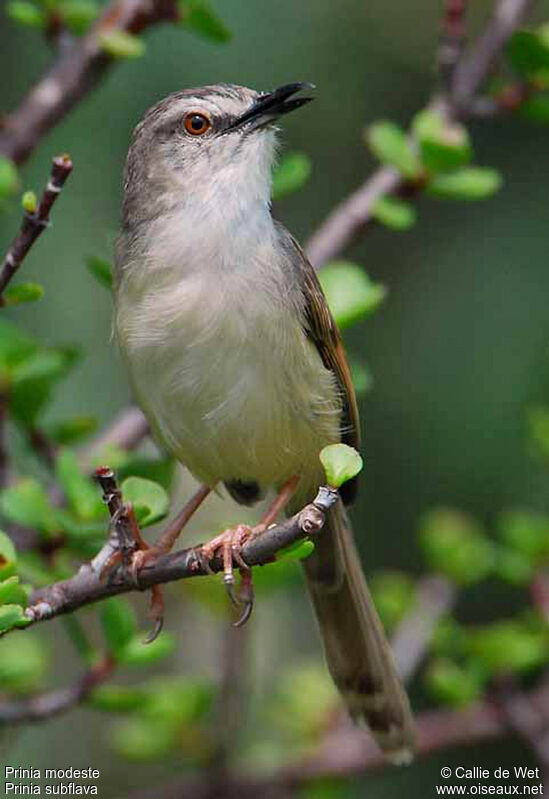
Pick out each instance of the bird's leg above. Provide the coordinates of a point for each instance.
(231, 542)
(164, 544)
(170, 535)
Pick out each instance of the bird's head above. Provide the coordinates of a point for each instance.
(206, 145)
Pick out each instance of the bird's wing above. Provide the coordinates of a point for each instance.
(322, 330)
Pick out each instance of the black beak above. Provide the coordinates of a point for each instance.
(270, 106)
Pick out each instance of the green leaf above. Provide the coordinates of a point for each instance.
(77, 15)
(33, 380)
(29, 202)
(141, 740)
(515, 567)
(70, 431)
(9, 179)
(23, 664)
(180, 701)
(15, 347)
(341, 463)
(510, 645)
(469, 183)
(394, 595)
(450, 638)
(118, 698)
(101, 269)
(23, 292)
(12, 616)
(525, 531)
(119, 624)
(84, 537)
(27, 503)
(454, 544)
(82, 494)
(528, 51)
(451, 684)
(13, 593)
(159, 470)
(390, 145)
(137, 653)
(350, 293)
(538, 429)
(8, 556)
(26, 14)
(198, 16)
(394, 213)
(150, 501)
(120, 44)
(303, 700)
(444, 145)
(291, 174)
(535, 108)
(299, 550)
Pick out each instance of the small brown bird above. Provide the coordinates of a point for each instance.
(236, 360)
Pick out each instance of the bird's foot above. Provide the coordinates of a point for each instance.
(229, 544)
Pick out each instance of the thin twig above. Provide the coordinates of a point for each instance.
(53, 703)
(126, 431)
(87, 585)
(477, 65)
(411, 641)
(451, 42)
(33, 225)
(354, 214)
(75, 72)
(528, 718)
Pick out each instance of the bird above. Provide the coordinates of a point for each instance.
(235, 359)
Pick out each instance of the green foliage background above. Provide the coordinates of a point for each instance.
(459, 350)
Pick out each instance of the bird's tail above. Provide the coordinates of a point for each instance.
(357, 651)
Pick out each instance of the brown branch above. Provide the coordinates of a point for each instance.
(87, 586)
(411, 640)
(126, 431)
(452, 42)
(354, 214)
(478, 64)
(75, 72)
(349, 752)
(53, 703)
(33, 225)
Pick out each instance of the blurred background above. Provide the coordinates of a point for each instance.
(458, 352)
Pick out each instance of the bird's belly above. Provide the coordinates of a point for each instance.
(239, 394)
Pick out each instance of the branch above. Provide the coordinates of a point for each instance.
(354, 214)
(410, 642)
(451, 43)
(126, 431)
(53, 703)
(33, 225)
(87, 586)
(348, 752)
(75, 72)
(478, 64)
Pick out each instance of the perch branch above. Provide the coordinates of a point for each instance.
(33, 225)
(73, 74)
(87, 586)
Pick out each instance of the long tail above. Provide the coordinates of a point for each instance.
(357, 651)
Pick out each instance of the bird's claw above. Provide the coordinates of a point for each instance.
(230, 544)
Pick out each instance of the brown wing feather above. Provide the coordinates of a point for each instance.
(323, 332)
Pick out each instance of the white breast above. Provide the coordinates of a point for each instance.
(218, 357)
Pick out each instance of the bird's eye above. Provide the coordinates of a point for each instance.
(197, 124)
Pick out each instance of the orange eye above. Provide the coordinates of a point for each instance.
(197, 124)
